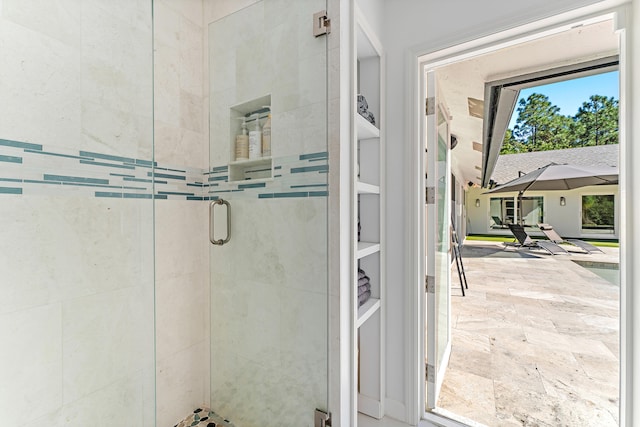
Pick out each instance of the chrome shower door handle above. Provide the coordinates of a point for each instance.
(212, 239)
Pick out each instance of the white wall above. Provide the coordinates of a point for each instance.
(341, 397)
(419, 26)
(630, 232)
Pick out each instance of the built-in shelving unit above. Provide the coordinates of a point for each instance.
(368, 246)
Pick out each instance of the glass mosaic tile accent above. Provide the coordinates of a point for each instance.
(204, 417)
(45, 170)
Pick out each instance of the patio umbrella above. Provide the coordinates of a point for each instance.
(558, 177)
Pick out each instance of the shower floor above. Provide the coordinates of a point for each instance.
(204, 417)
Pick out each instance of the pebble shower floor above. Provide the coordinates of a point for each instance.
(204, 417)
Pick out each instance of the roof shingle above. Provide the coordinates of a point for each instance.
(509, 165)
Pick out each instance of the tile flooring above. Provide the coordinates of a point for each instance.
(535, 342)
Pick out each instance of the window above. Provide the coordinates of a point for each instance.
(501, 212)
(598, 212)
(532, 210)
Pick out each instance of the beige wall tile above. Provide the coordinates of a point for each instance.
(30, 361)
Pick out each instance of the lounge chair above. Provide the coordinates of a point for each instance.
(555, 238)
(498, 222)
(525, 241)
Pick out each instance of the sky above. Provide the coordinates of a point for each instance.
(570, 94)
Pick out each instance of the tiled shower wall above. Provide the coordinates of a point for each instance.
(182, 261)
(76, 289)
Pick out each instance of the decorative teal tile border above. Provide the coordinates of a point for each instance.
(10, 190)
(34, 169)
(11, 159)
(24, 145)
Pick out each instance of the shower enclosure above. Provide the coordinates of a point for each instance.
(269, 281)
(113, 303)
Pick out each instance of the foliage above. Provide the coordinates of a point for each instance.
(597, 211)
(597, 122)
(540, 126)
(511, 144)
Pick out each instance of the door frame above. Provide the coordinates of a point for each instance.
(432, 209)
(417, 60)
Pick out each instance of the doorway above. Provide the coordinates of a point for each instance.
(477, 163)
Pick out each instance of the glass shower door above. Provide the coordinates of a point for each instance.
(267, 184)
(76, 214)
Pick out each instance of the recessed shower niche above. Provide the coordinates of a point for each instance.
(247, 161)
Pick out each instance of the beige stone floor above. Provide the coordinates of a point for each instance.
(535, 342)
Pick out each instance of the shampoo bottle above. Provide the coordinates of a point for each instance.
(266, 137)
(255, 140)
(242, 142)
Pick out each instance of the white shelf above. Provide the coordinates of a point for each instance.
(367, 248)
(365, 129)
(262, 161)
(245, 170)
(366, 310)
(364, 188)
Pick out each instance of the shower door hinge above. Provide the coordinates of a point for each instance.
(430, 106)
(321, 23)
(322, 418)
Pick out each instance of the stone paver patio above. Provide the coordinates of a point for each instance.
(535, 342)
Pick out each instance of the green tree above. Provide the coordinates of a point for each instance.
(510, 145)
(539, 125)
(560, 132)
(597, 122)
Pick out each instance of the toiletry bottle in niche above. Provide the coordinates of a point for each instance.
(266, 137)
(242, 142)
(255, 140)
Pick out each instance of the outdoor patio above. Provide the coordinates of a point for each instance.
(536, 340)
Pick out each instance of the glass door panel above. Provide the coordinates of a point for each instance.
(77, 214)
(268, 77)
(438, 261)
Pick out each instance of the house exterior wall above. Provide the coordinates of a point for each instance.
(566, 220)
